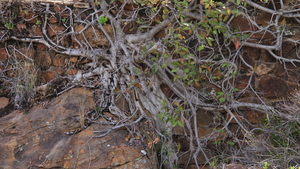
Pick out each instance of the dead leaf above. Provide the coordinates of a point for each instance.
(181, 60)
(156, 140)
(236, 43)
(150, 144)
(128, 137)
(138, 85)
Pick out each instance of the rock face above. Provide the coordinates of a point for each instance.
(36, 139)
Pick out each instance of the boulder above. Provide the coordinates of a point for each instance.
(36, 139)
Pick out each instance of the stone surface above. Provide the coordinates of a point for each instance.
(72, 71)
(30, 17)
(41, 46)
(206, 129)
(36, 139)
(43, 59)
(264, 68)
(252, 116)
(234, 166)
(25, 53)
(272, 87)
(3, 54)
(200, 158)
(243, 81)
(3, 102)
(59, 60)
(94, 36)
(54, 30)
(36, 30)
(48, 75)
(288, 71)
(73, 59)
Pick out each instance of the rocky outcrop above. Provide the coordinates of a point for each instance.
(36, 139)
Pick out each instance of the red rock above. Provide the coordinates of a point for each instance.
(281, 71)
(41, 46)
(248, 59)
(236, 116)
(204, 119)
(166, 90)
(3, 54)
(264, 68)
(37, 138)
(48, 76)
(95, 36)
(193, 166)
(59, 70)
(65, 15)
(272, 87)
(43, 59)
(159, 35)
(131, 7)
(254, 117)
(252, 52)
(234, 166)
(3, 102)
(72, 71)
(36, 30)
(54, 29)
(74, 59)
(130, 28)
(59, 60)
(201, 158)
(31, 17)
(29, 52)
(242, 82)
(53, 19)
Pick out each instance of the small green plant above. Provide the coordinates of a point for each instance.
(103, 20)
(220, 96)
(64, 20)
(213, 164)
(136, 70)
(266, 165)
(9, 25)
(166, 116)
(38, 22)
(230, 143)
(98, 109)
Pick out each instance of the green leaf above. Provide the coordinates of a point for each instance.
(217, 143)
(9, 25)
(179, 123)
(235, 89)
(219, 3)
(174, 70)
(222, 99)
(200, 48)
(209, 40)
(187, 70)
(230, 143)
(225, 65)
(216, 77)
(155, 68)
(103, 19)
(200, 69)
(136, 70)
(176, 78)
